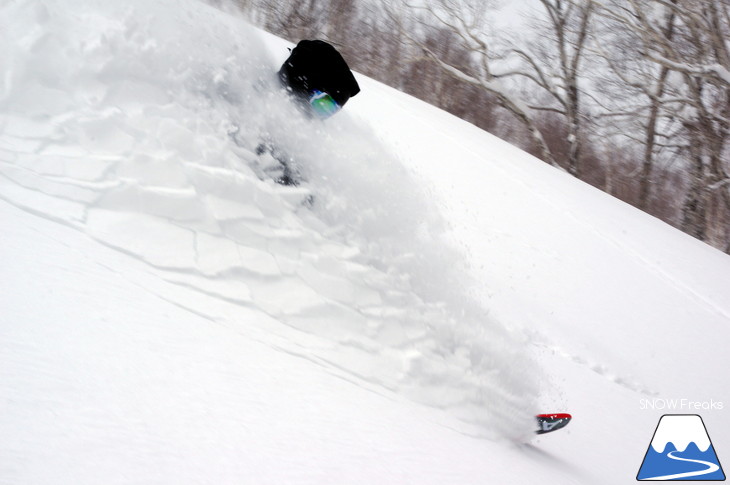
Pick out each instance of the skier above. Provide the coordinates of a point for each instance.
(320, 83)
(318, 78)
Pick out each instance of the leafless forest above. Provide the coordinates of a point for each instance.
(631, 96)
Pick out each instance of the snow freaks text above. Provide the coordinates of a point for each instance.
(662, 404)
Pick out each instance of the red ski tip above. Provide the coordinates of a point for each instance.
(555, 416)
(547, 423)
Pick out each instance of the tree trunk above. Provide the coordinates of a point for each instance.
(694, 209)
(574, 134)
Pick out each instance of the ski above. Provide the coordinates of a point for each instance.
(547, 423)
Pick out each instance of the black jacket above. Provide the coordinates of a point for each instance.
(315, 65)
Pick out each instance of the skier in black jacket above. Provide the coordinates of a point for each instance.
(320, 82)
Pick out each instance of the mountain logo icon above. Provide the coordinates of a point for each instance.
(681, 450)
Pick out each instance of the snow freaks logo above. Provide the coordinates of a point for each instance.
(680, 450)
(680, 405)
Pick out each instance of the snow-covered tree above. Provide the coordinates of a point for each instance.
(466, 20)
(553, 68)
(684, 74)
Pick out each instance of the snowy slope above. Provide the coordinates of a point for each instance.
(170, 314)
(107, 378)
(621, 308)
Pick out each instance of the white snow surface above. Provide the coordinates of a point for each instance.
(170, 314)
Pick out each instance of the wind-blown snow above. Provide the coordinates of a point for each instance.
(155, 134)
(170, 314)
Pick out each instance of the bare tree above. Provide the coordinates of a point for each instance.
(291, 20)
(466, 20)
(554, 70)
(638, 88)
(686, 40)
(556, 67)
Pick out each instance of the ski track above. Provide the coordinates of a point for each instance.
(542, 341)
(591, 227)
(602, 370)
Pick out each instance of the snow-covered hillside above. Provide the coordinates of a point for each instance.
(170, 314)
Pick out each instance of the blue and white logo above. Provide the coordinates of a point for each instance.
(681, 450)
